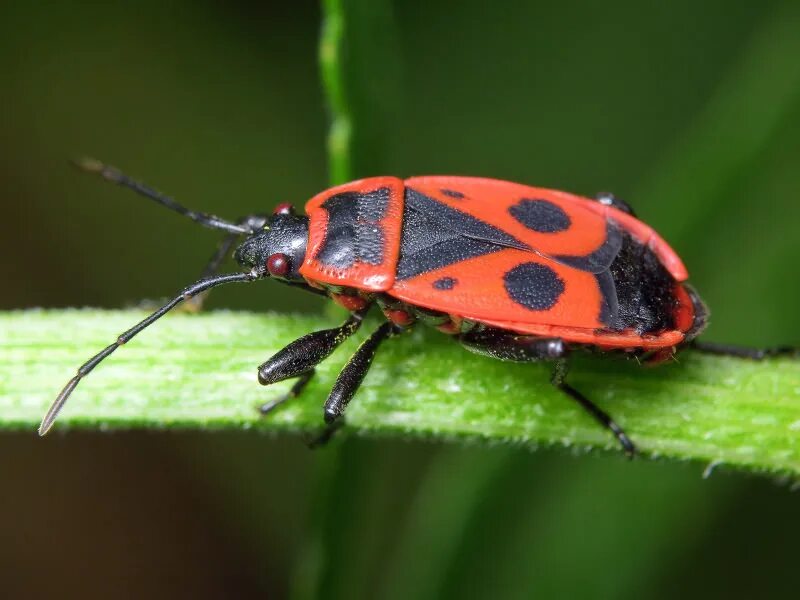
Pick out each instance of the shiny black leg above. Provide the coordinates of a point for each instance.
(743, 351)
(512, 347)
(354, 371)
(559, 373)
(348, 382)
(299, 358)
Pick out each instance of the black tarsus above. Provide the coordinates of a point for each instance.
(322, 438)
(87, 367)
(744, 351)
(294, 392)
(559, 373)
(114, 175)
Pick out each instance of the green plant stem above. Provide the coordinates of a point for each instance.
(198, 371)
(333, 80)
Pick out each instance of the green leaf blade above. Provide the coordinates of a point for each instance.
(199, 371)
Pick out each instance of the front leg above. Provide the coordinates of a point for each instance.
(299, 358)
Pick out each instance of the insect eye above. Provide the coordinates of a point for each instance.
(278, 265)
(283, 209)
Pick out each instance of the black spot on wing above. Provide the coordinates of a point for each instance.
(445, 283)
(353, 233)
(534, 286)
(540, 216)
(452, 193)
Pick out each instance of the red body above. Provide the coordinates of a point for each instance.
(480, 295)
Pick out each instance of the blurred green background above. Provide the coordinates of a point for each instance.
(689, 111)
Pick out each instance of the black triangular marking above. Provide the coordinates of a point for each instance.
(435, 235)
(460, 222)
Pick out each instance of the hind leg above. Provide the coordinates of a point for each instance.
(508, 346)
(743, 351)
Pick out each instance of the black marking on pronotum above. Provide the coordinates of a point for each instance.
(353, 233)
(436, 235)
(534, 286)
(445, 283)
(541, 216)
(452, 193)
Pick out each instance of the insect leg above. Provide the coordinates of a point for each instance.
(299, 358)
(743, 351)
(354, 371)
(298, 387)
(512, 347)
(505, 345)
(559, 373)
(349, 380)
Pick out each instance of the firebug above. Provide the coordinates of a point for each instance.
(513, 272)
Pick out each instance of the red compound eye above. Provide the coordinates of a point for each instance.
(278, 265)
(283, 209)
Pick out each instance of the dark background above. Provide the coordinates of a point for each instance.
(689, 111)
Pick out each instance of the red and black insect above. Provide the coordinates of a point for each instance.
(513, 272)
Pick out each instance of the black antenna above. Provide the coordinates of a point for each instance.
(87, 367)
(114, 175)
